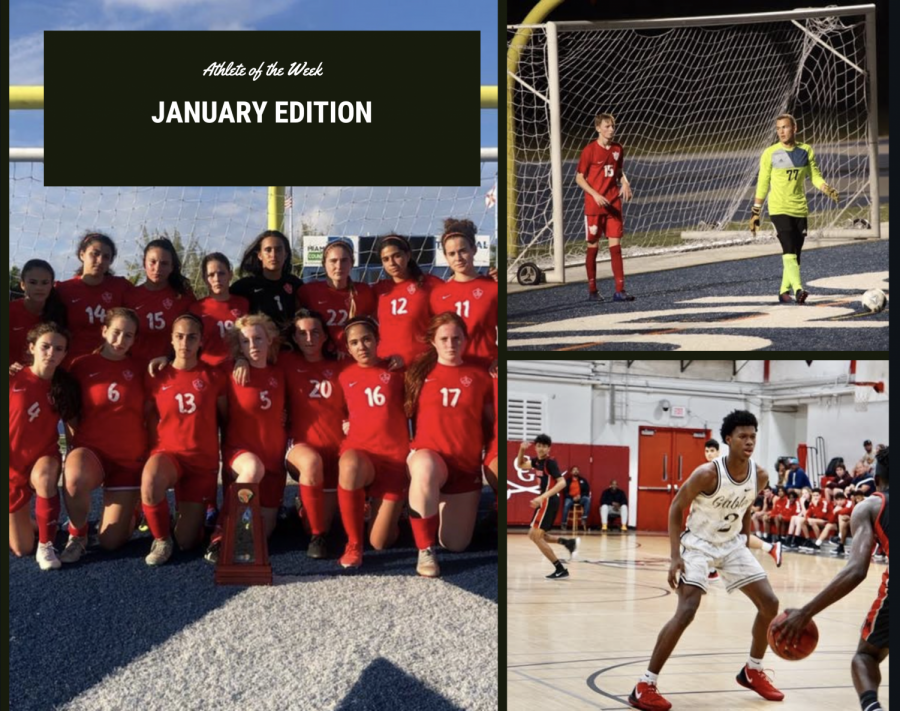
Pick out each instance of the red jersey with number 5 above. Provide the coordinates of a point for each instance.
(256, 416)
(156, 311)
(186, 402)
(334, 305)
(32, 421)
(218, 319)
(602, 169)
(475, 301)
(403, 316)
(112, 400)
(86, 308)
(378, 423)
(316, 404)
(450, 415)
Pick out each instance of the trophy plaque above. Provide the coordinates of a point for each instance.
(244, 559)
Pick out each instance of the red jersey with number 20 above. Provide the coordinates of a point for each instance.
(602, 169)
(256, 416)
(315, 400)
(378, 423)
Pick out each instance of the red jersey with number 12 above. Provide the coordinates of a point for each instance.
(602, 168)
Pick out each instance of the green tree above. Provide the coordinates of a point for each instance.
(15, 276)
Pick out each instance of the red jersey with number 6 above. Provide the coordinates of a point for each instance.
(602, 169)
(378, 423)
(218, 319)
(475, 301)
(256, 416)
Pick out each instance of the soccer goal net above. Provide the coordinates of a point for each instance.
(47, 222)
(695, 102)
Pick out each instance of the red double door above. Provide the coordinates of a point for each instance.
(666, 458)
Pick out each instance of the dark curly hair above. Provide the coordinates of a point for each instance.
(737, 418)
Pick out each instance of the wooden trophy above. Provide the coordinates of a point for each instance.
(244, 559)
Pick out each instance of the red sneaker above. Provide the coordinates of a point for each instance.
(757, 680)
(352, 557)
(645, 696)
(776, 554)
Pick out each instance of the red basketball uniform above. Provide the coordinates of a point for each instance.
(403, 316)
(218, 319)
(112, 417)
(256, 413)
(378, 425)
(449, 420)
(21, 321)
(86, 308)
(156, 311)
(334, 305)
(819, 510)
(188, 431)
(602, 169)
(32, 432)
(316, 408)
(475, 302)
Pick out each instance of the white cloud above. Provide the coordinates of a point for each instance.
(26, 60)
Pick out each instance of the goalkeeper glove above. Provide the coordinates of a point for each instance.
(830, 192)
(754, 218)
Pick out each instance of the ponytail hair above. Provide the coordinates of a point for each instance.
(402, 243)
(350, 286)
(54, 309)
(88, 240)
(65, 391)
(194, 319)
(176, 279)
(423, 365)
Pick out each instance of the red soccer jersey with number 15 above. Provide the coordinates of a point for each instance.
(602, 168)
(157, 311)
(378, 423)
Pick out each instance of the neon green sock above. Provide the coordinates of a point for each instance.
(785, 274)
(791, 271)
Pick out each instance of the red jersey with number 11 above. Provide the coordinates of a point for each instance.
(475, 301)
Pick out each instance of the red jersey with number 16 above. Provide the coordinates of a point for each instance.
(256, 417)
(602, 169)
(378, 423)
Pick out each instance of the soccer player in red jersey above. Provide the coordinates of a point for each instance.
(403, 301)
(38, 396)
(490, 461)
(91, 293)
(472, 296)
(450, 402)
(316, 413)
(338, 297)
(164, 295)
(109, 440)
(41, 304)
(374, 454)
(599, 174)
(219, 310)
(183, 403)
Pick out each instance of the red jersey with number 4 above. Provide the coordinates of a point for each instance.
(112, 415)
(602, 169)
(186, 402)
(378, 423)
(86, 308)
(156, 311)
(403, 316)
(218, 319)
(475, 302)
(334, 305)
(256, 417)
(450, 414)
(21, 321)
(316, 404)
(32, 421)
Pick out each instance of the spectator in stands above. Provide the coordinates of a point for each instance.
(798, 516)
(868, 458)
(578, 491)
(779, 516)
(760, 511)
(863, 479)
(614, 499)
(796, 478)
(781, 467)
(816, 517)
(839, 506)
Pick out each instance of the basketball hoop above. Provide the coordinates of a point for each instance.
(864, 392)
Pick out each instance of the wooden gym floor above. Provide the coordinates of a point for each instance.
(582, 642)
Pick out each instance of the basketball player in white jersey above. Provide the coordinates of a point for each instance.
(719, 495)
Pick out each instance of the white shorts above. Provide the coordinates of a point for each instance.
(734, 561)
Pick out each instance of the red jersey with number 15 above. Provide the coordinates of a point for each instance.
(450, 415)
(156, 311)
(315, 401)
(378, 423)
(475, 301)
(602, 169)
(218, 319)
(256, 417)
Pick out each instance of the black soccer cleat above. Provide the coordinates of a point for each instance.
(785, 298)
(594, 297)
(558, 574)
(622, 296)
(800, 295)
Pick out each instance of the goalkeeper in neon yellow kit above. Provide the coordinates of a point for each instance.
(783, 170)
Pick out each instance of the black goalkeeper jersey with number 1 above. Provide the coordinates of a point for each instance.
(276, 298)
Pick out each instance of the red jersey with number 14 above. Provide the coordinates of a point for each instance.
(475, 301)
(86, 308)
(218, 319)
(450, 415)
(378, 423)
(602, 169)
(256, 417)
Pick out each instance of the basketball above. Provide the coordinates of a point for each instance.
(807, 643)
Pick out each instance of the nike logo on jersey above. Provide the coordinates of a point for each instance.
(351, 384)
(446, 296)
(746, 489)
(321, 303)
(18, 390)
(93, 375)
(429, 380)
(256, 291)
(166, 387)
(18, 328)
(75, 301)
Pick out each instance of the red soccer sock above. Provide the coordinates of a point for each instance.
(425, 531)
(615, 254)
(158, 519)
(352, 505)
(313, 498)
(80, 532)
(590, 263)
(46, 512)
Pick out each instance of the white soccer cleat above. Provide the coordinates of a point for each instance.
(46, 557)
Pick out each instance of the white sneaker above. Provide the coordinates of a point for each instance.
(74, 549)
(46, 557)
(428, 566)
(160, 551)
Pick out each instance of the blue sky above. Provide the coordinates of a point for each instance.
(28, 20)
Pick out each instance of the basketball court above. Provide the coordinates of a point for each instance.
(582, 642)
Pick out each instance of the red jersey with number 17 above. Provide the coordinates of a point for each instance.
(218, 319)
(186, 402)
(316, 404)
(378, 423)
(450, 415)
(602, 169)
(256, 417)
(475, 301)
